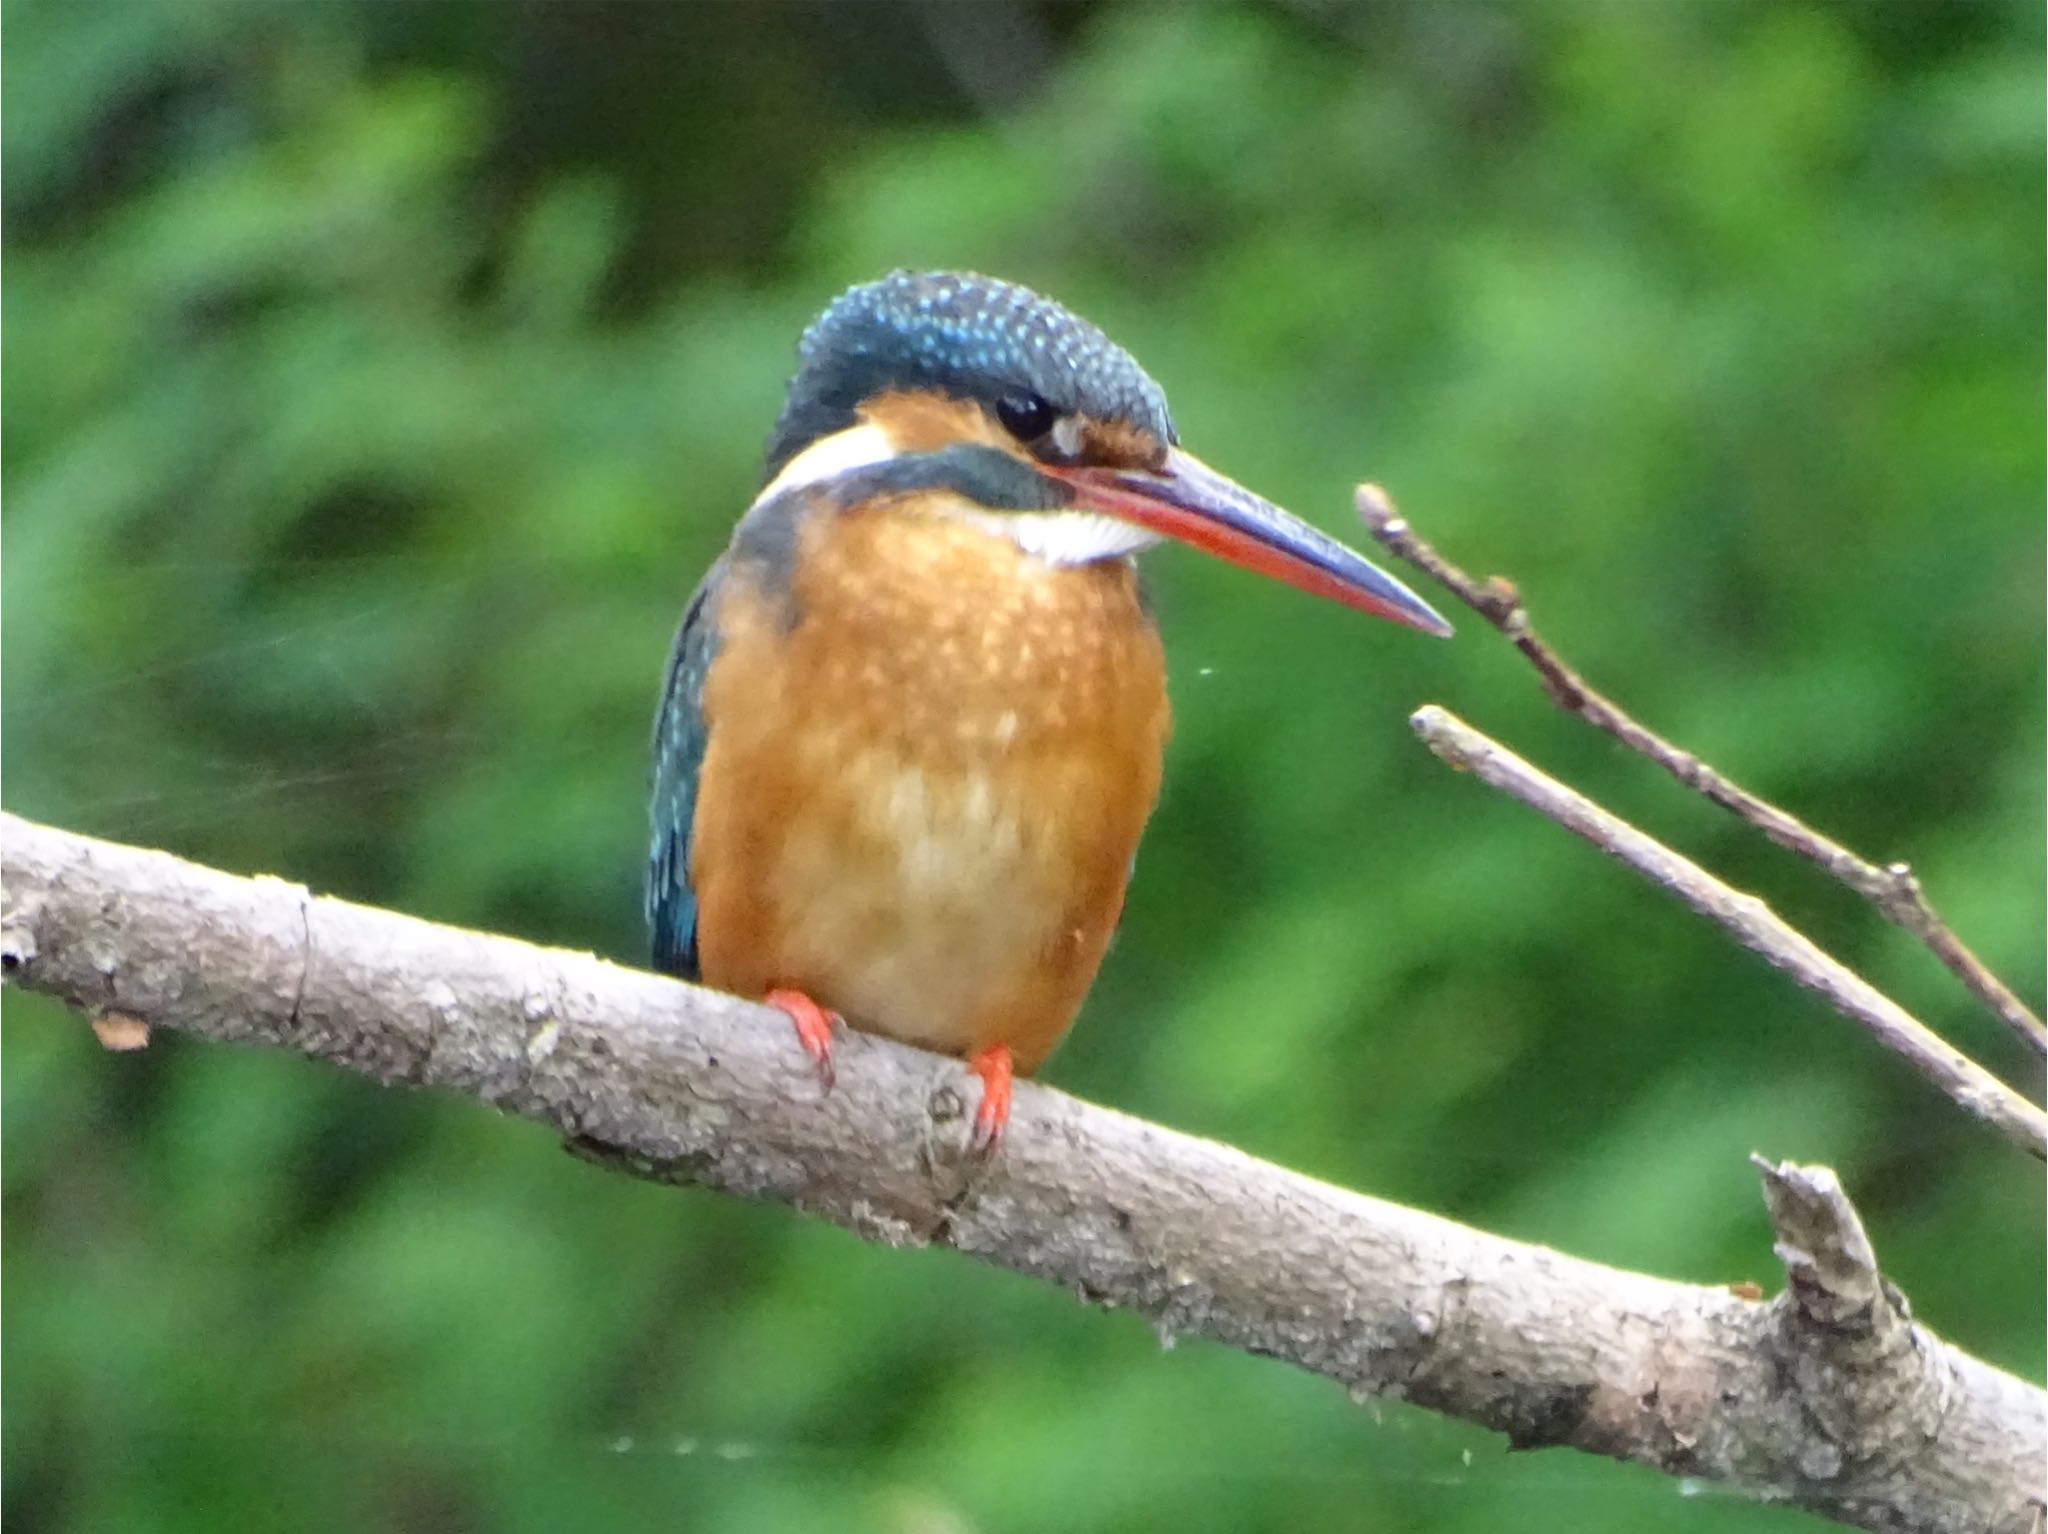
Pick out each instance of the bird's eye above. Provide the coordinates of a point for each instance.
(1027, 417)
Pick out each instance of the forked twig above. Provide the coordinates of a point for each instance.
(1892, 889)
(1753, 923)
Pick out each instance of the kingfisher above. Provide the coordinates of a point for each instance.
(913, 722)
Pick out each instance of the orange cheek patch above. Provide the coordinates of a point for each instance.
(927, 423)
(1120, 445)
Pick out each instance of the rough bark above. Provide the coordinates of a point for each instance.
(1829, 1396)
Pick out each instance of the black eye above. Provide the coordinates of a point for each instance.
(1027, 417)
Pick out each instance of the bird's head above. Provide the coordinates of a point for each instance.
(1042, 423)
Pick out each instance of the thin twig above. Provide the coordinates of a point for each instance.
(1893, 889)
(1752, 922)
(1864, 1416)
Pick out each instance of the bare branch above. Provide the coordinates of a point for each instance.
(1893, 889)
(1754, 924)
(684, 1085)
(1848, 1333)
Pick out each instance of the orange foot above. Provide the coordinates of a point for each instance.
(814, 1027)
(994, 1066)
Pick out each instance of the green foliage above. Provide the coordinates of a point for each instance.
(381, 378)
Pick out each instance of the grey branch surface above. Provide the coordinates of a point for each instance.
(1830, 1396)
(1893, 889)
(1753, 923)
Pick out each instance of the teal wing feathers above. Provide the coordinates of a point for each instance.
(680, 736)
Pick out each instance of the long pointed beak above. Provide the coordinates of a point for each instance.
(1188, 500)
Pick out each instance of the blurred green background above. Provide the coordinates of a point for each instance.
(379, 378)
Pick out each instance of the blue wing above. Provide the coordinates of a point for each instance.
(680, 734)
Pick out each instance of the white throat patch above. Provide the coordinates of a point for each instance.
(1069, 537)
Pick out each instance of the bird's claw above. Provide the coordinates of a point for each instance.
(814, 1027)
(995, 1068)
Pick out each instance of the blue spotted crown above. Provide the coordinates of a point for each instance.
(961, 334)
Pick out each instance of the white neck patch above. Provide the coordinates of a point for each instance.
(857, 447)
(1057, 537)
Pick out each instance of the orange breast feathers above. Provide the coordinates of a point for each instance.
(926, 774)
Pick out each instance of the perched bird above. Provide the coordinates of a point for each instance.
(912, 725)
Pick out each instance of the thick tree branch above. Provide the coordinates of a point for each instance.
(1753, 923)
(1829, 1396)
(1893, 889)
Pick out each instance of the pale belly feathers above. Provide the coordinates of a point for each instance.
(920, 800)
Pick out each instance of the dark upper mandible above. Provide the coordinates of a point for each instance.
(964, 335)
